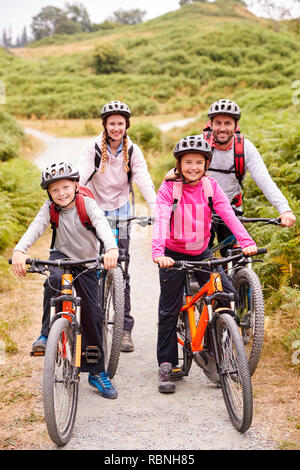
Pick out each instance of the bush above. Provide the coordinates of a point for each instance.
(146, 135)
(11, 134)
(109, 59)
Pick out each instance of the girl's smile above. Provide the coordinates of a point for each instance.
(192, 167)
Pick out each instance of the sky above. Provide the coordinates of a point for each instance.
(15, 14)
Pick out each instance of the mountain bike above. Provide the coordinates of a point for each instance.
(203, 326)
(249, 295)
(112, 288)
(63, 353)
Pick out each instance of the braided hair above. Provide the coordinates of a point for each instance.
(105, 156)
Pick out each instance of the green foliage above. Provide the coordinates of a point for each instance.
(20, 199)
(11, 134)
(108, 59)
(52, 20)
(146, 135)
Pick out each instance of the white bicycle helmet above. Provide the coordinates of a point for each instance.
(58, 171)
(115, 107)
(193, 144)
(225, 106)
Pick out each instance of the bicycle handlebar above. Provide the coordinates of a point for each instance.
(213, 262)
(271, 221)
(141, 220)
(65, 262)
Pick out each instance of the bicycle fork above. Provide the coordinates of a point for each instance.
(71, 310)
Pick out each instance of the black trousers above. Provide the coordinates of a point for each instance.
(170, 302)
(86, 287)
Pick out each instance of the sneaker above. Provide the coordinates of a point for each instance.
(164, 383)
(206, 361)
(127, 344)
(39, 344)
(102, 383)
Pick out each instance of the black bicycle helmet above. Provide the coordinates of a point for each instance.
(58, 171)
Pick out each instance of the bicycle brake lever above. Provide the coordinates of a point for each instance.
(37, 269)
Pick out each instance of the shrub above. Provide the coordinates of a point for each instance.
(146, 135)
(109, 59)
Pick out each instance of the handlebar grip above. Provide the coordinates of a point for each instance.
(9, 261)
(261, 251)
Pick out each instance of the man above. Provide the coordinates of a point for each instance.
(224, 118)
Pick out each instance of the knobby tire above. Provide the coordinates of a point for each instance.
(250, 311)
(113, 319)
(60, 390)
(234, 372)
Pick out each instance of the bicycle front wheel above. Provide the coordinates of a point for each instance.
(60, 382)
(250, 311)
(113, 319)
(234, 372)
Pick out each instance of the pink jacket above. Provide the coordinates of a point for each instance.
(191, 221)
(111, 188)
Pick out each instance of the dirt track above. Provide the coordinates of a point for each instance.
(194, 417)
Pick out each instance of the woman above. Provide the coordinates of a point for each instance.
(107, 167)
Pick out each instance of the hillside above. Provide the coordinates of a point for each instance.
(179, 61)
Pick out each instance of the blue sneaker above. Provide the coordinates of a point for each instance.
(102, 383)
(39, 344)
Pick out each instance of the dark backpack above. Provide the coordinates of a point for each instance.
(239, 154)
(80, 206)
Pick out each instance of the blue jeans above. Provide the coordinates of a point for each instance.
(123, 244)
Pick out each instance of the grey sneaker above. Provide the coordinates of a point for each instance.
(127, 344)
(206, 360)
(164, 383)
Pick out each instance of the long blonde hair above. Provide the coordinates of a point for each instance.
(104, 152)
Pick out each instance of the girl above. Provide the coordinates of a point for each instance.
(184, 235)
(107, 167)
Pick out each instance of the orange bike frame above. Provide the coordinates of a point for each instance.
(67, 307)
(197, 331)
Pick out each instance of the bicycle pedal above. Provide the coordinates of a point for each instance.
(37, 353)
(176, 374)
(92, 354)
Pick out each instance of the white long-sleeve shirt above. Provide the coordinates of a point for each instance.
(72, 238)
(224, 160)
(111, 188)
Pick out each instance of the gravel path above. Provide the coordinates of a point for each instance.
(194, 418)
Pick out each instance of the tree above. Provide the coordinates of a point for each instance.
(284, 9)
(53, 20)
(130, 17)
(78, 14)
(24, 37)
(45, 22)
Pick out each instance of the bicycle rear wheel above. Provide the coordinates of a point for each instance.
(60, 382)
(250, 311)
(113, 319)
(234, 372)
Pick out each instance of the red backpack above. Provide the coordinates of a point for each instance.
(80, 206)
(239, 157)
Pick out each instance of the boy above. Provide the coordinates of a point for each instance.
(72, 240)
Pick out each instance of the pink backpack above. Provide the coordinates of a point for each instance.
(177, 192)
